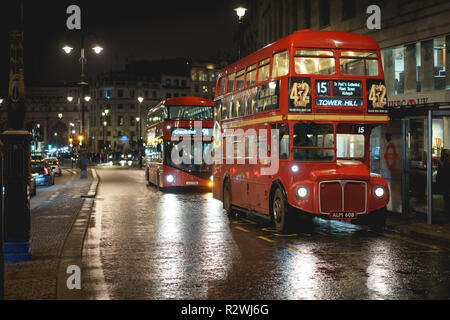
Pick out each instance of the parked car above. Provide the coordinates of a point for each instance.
(53, 163)
(43, 174)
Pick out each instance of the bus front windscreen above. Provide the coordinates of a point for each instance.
(191, 113)
(313, 142)
(185, 159)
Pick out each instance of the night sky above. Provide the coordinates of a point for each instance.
(126, 29)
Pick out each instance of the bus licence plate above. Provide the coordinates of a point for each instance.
(191, 182)
(342, 215)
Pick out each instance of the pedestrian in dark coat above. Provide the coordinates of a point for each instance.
(443, 178)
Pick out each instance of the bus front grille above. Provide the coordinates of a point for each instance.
(342, 196)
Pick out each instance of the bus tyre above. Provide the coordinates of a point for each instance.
(377, 219)
(281, 214)
(227, 204)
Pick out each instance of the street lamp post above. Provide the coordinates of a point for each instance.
(138, 140)
(240, 12)
(83, 84)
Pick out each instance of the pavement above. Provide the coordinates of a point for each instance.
(416, 227)
(59, 216)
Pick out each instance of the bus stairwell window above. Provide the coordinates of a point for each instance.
(280, 64)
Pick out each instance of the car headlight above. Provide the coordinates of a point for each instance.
(170, 178)
(379, 192)
(302, 192)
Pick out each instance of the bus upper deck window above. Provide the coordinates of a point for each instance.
(280, 65)
(240, 79)
(230, 85)
(314, 62)
(263, 70)
(251, 75)
(359, 63)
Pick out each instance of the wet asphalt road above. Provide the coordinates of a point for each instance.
(145, 244)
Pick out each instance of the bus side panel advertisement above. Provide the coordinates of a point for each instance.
(300, 95)
(376, 96)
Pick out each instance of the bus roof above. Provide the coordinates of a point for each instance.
(188, 101)
(307, 39)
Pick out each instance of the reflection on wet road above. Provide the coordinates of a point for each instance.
(154, 245)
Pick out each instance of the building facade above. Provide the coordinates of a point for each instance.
(118, 118)
(415, 50)
(50, 117)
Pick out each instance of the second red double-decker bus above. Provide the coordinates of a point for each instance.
(177, 129)
(323, 92)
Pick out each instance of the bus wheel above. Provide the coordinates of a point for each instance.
(281, 214)
(227, 205)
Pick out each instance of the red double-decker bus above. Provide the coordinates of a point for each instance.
(324, 93)
(176, 129)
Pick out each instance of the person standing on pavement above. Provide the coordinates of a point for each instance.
(443, 178)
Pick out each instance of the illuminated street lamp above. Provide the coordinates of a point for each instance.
(70, 99)
(67, 49)
(87, 98)
(97, 49)
(60, 115)
(1, 101)
(140, 99)
(240, 11)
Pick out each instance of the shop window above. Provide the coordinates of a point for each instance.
(399, 69)
(439, 56)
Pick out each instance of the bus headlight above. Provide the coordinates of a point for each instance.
(294, 168)
(379, 192)
(211, 178)
(170, 178)
(302, 192)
